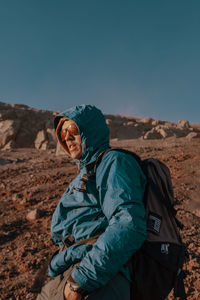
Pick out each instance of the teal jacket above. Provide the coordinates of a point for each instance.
(110, 206)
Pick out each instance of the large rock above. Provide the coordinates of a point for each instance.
(183, 124)
(156, 122)
(164, 130)
(35, 214)
(152, 134)
(22, 126)
(146, 120)
(40, 141)
(8, 132)
(193, 135)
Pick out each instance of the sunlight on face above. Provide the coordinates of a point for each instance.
(70, 135)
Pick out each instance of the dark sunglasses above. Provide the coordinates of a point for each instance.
(72, 129)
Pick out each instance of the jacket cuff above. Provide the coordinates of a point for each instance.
(81, 280)
(75, 287)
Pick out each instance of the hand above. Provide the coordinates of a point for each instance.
(70, 295)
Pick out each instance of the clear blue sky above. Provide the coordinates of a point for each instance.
(132, 57)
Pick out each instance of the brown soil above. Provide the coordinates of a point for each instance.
(31, 179)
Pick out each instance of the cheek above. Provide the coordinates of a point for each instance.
(78, 141)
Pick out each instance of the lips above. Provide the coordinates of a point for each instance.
(71, 147)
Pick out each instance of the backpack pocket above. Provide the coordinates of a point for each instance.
(155, 270)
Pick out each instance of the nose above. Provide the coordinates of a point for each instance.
(68, 136)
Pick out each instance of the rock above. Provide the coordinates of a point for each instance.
(40, 139)
(162, 132)
(46, 139)
(130, 123)
(8, 146)
(156, 122)
(146, 120)
(2, 185)
(152, 134)
(35, 214)
(28, 235)
(17, 196)
(19, 201)
(193, 135)
(181, 132)
(173, 125)
(183, 124)
(108, 121)
(8, 131)
(21, 126)
(165, 131)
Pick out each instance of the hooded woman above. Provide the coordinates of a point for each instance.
(99, 222)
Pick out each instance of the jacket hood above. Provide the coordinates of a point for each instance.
(93, 130)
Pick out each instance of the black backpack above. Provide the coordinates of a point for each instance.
(156, 268)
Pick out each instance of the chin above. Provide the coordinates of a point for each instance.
(75, 155)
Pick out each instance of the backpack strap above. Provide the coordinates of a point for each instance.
(99, 159)
(162, 171)
(103, 153)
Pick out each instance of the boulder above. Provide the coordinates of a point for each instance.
(146, 120)
(22, 126)
(8, 146)
(8, 131)
(35, 214)
(162, 132)
(183, 124)
(108, 122)
(181, 132)
(40, 139)
(152, 134)
(193, 135)
(130, 123)
(156, 122)
(165, 131)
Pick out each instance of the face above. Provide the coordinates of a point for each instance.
(70, 135)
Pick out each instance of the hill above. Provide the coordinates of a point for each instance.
(25, 127)
(33, 178)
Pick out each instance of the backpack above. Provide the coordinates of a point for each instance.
(156, 268)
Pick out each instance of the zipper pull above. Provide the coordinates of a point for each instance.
(71, 190)
(164, 248)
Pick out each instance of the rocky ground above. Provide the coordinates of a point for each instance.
(31, 183)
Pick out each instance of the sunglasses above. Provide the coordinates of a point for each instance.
(72, 129)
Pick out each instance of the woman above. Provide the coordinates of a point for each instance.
(100, 216)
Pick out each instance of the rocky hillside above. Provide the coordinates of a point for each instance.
(25, 127)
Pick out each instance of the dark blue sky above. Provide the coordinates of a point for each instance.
(131, 57)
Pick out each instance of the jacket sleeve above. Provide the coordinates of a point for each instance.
(121, 185)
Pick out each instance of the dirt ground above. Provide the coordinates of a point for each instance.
(32, 179)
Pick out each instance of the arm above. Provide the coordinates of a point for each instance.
(121, 185)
